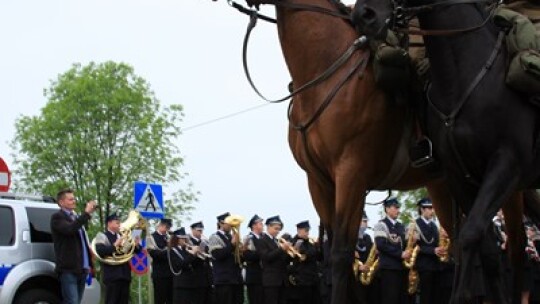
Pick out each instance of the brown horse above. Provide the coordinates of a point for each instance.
(345, 133)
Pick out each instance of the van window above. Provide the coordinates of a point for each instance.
(7, 227)
(40, 224)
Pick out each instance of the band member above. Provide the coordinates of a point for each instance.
(325, 266)
(364, 294)
(115, 277)
(303, 275)
(533, 250)
(274, 259)
(182, 260)
(253, 261)
(201, 268)
(390, 241)
(427, 261)
(162, 277)
(226, 272)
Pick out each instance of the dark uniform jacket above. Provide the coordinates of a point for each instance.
(427, 260)
(160, 261)
(274, 262)
(182, 264)
(225, 270)
(390, 242)
(305, 272)
(112, 273)
(67, 242)
(363, 247)
(253, 261)
(201, 267)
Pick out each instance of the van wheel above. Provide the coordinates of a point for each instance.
(37, 296)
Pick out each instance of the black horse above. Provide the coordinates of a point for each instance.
(485, 134)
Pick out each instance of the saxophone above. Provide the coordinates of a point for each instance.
(410, 262)
(444, 242)
(372, 262)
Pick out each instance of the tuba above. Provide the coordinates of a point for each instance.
(124, 252)
(235, 221)
(409, 263)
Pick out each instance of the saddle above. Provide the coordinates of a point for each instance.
(521, 22)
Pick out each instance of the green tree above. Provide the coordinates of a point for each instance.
(408, 199)
(102, 129)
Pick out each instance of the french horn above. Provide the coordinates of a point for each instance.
(235, 221)
(124, 252)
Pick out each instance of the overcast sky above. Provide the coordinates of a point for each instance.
(190, 53)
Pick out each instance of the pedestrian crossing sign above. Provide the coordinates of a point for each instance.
(148, 200)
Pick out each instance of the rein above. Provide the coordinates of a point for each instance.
(254, 15)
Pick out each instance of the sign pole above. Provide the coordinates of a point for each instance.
(140, 302)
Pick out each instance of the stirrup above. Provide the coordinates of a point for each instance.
(421, 153)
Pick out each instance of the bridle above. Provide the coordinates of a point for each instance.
(402, 15)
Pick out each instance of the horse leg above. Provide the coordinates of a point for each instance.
(442, 202)
(499, 184)
(350, 198)
(513, 215)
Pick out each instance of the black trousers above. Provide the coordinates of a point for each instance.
(117, 292)
(304, 295)
(255, 294)
(428, 286)
(230, 294)
(163, 290)
(393, 286)
(274, 295)
(184, 295)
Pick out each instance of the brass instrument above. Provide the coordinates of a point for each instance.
(372, 262)
(444, 242)
(124, 252)
(410, 262)
(198, 252)
(292, 252)
(235, 221)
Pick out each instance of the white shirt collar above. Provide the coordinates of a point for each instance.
(391, 220)
(426, 220)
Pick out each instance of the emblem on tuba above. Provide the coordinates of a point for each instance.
(235, 221)
(124, 252)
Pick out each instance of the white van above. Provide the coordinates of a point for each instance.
(26, 252)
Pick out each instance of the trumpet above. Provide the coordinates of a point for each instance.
(292, 252)
(444, 242)
(198, 252)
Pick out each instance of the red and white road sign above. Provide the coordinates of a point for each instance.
(5, 176)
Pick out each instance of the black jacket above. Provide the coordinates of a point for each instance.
(67, 242)
(225, 270)
(363, 247)
(253, 262)
(201, 268)
(390, 244)
(427, 260)
(274, 262)
(112, 273)
(182, 264)
(160, 262)
(305, 272)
